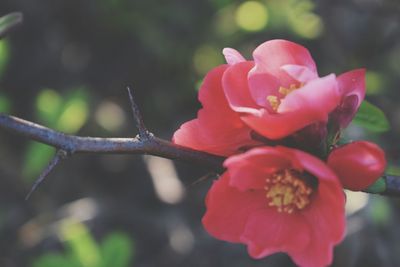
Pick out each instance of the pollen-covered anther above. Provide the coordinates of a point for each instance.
(285, 91)
(273, 101)
(287, 191)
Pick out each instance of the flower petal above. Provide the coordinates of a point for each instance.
(325, 213)
(272, 55)
(237, 90)
(217, 129)
(249, 170)
(358, 164)
(309, 104)
(352, 88)
(327, 217)
(261, 86)
(353, 83)
(311, 164)
(267, 231)
(278, 126)
(213, 134)
(232, 56)
(228, 209)
(300, 73)
(321, 95)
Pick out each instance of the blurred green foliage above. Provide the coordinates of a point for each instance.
(296, 16)
(379, 210)
(376, 82)
(5, 103)
(4, 55)
(81, 250)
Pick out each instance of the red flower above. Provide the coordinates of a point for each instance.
(358, 164)
(276, 199)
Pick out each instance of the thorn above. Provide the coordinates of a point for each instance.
(60, 154)
(204, 178)
(137, 116)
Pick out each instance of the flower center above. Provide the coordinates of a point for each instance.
(275, 101)
(288, 191)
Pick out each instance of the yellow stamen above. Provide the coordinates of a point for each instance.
(285, 91)
(287, 191)
(273, 101)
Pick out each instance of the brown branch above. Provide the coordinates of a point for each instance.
(77, 144)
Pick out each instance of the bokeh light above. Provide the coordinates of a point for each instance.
(110, 116)
(252, 16)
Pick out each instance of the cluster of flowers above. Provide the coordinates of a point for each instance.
(279, 124)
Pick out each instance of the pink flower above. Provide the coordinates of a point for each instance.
(276, 199)
(280, 93)
(358, 164)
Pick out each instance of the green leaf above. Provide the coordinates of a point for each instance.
(117, 250)
(378, 187)
(372, 118)
(8, 22)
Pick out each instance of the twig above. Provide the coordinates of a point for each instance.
(60, 154)
(392, 186)
(204, 178)
(137, 116)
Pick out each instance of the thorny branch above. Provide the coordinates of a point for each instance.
(144, 143)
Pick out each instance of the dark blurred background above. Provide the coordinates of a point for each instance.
(67, 67)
